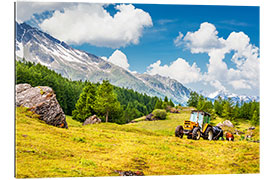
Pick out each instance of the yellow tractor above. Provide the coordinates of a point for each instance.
(197, 126)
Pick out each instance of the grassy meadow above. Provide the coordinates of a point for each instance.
(149, 146)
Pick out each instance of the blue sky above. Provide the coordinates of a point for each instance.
(145, 37)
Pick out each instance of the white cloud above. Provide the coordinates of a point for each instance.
(245, 56)
(178, 40)
(217, 68)
(237, 41)
(118, 58)
(240, 84)
(203, 40)
(178, 69)
(91, 23)
(217, 84)
(165, 21)
(25, 10)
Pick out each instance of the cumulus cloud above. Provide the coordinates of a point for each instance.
(91, 23)
(178, 69)
(118, 58)
(219, 75)
(203, 40)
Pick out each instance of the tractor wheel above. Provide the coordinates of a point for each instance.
(209, 134)
(179, 131)
(196, 133)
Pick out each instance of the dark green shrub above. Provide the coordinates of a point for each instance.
(160, 114)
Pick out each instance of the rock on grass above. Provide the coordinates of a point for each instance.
(43, 102)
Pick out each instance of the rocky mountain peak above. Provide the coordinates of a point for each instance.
(39, 47)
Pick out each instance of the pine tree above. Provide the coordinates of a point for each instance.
(159, 104)
(255, 120)
(193, 99)
(171, 103)
(106, 100)
(84, 106)
(201, 103)
(164, 105)
(236, 110)
(218, 108)
(227, 109)
(166, 99)
(252, 109)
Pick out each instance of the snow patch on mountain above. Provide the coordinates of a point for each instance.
(234, 97)
(19, 49)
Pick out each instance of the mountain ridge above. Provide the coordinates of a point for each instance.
(39, 47)
(234, 97)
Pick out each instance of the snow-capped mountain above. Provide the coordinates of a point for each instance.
(39, 47)
(234, 97)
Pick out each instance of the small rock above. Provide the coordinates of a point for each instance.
(249, 133)
(226, 123)
(92, 120)
(234, 164)
(237, 132)
(130, 173)
(174, 110)
(149, 117)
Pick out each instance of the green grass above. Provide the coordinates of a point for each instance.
(162, 127)
(72, 123)
(99, 149)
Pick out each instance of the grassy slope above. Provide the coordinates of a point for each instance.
(98, 150)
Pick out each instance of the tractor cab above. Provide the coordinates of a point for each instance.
(196, 117)
(201, 117)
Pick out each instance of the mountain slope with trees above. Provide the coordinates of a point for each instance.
(68, 93)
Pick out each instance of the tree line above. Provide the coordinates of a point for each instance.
(67, 91)
(83, 98)
(226, 108)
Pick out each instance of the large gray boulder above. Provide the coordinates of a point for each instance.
(43, 102)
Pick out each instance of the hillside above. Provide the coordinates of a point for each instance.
(98, 150)
(68, 92)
